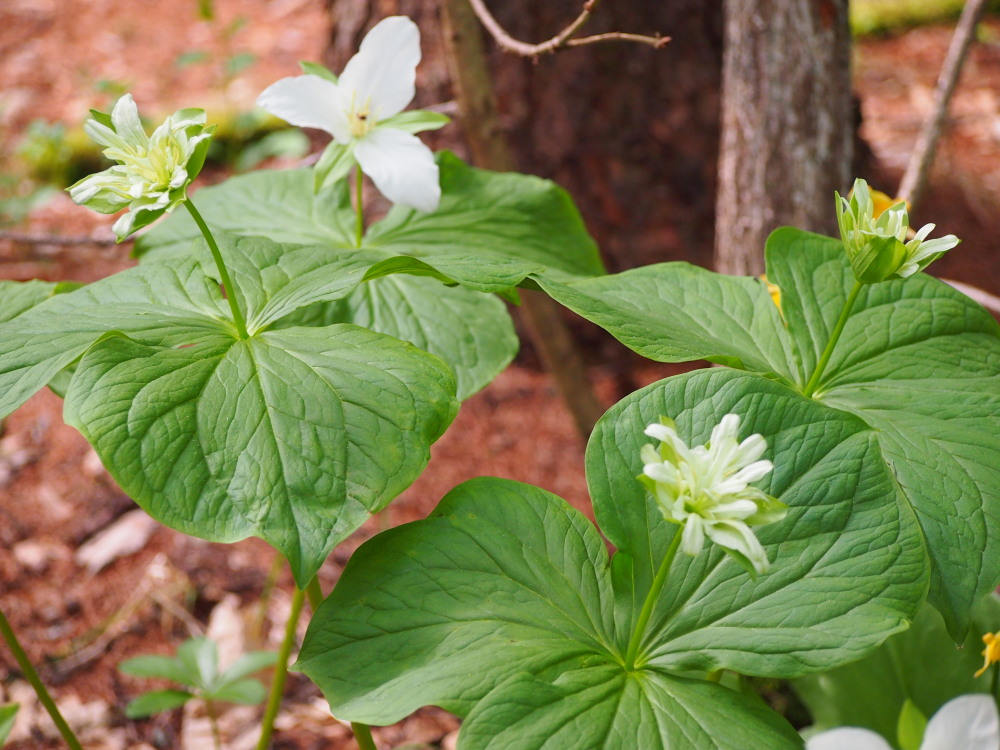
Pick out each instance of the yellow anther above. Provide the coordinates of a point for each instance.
(991, 653)
(775, 291)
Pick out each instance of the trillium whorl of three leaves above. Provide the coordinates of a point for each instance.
(295, 435)
(918, 361)
(504, 607)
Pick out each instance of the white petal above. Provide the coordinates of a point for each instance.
(693, 535)
(384, 71)
(753, 472)
(726, 429)
(308, 102)
(125, 118)
(736, 535)
(848, 738)
(922, 233)
(736, 510)
(661, 472)
(649, 455)
(659, 431)
(751, 449)
(105, 136)
(968, 722)
(123, 227)
(401, 167)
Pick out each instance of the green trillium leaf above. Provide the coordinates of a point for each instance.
(162, 305)
(295, 435)
(676, 312)
(17, 297)
(504, 607)
(918, 362)
(478, 341)
(603, 702)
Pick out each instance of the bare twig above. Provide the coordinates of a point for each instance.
(915, 179)
(563, 39)
(22, 238)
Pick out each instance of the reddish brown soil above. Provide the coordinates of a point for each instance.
(55, 496)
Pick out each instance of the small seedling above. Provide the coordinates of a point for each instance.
(196, 668)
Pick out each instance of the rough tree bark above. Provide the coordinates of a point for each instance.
(787, 126)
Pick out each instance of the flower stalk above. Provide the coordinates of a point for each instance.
(28, 669)
(650, 603)
(314, 594)
(834, 337)
(359, 224)
(363, 736)
(281, 670)
(227, 283)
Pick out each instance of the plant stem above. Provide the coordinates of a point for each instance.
(359, 224)
(214, 721)
(834, 337)
(314, 594)
(257, 624)
(227, 283)
(32, 676)
(363, 735)
(281, 671)
(651, 597)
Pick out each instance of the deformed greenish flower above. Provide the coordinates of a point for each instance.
(706, 489)
(152, 173)
(876, 241)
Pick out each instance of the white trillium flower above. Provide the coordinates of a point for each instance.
(361, 110)
(877, 244)
(968, 722)
(152, 173)
(706, 489)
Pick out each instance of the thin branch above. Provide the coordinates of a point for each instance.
(620, 36)
(561, 40)
(915, 178)
(22, 238)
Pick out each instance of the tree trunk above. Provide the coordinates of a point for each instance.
(787, 126)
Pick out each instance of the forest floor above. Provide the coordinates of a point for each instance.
(88, 580)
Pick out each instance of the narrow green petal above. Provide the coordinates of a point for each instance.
(125, 117)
